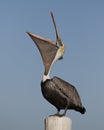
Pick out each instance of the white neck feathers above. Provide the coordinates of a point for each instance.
(59, 54)
(45, 77)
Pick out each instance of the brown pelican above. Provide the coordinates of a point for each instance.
(58, 92)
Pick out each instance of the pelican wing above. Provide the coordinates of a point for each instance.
(68, 90)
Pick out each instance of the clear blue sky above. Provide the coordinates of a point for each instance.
(81, 26)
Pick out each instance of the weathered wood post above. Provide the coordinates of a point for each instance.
(58, 123)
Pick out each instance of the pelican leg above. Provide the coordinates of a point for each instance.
(65, 111)
(60, 115)
(58, 112)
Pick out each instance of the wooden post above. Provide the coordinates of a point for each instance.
(58, 123)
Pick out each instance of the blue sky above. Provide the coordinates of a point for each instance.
(81, 26)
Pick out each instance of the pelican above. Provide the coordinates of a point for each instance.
(56, 91)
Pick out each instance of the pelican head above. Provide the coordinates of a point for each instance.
(50, 51)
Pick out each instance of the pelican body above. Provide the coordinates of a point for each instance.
(58, 92)
(62, 95)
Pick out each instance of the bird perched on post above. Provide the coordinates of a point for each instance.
(58, 92)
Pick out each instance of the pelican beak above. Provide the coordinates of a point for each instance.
(58, 39)
(48, 48)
